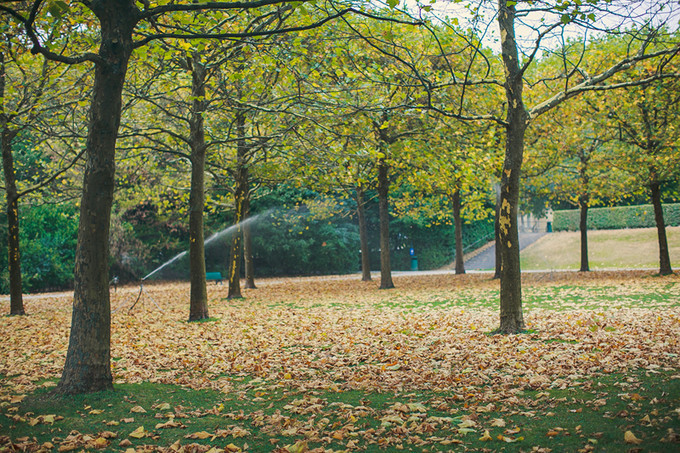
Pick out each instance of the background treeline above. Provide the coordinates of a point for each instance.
(288, 240)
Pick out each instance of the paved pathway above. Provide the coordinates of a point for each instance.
(487, 259)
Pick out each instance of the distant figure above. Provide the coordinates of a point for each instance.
(114, 283)
(549, 217)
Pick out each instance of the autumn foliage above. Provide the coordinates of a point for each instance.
(336, 335)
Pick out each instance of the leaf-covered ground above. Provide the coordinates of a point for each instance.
(334, 363)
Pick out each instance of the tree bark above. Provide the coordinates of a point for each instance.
(497, 236)
(16, 304)
(88, 359)
(198, 306)
(363, 236)
(248, 247)
(583, 228)
(511, 315)
(664, 258)
(240, 193)
(458, 225)
(383, 194)
(16, 301)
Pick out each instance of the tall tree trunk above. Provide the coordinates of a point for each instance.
(458, 225)
(583, 228)
(16, 304)
(16, 301)
(88, 359)
(248, 247)
(511, 315)
(497, 236)
(664, 258)
(198, 306)
(240, 193)
(383, 194)
(363, 236)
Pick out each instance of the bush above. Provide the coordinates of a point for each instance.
(48, 235)
(284, 245)
(616, 218)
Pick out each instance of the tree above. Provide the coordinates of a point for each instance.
(649, 132)
(123, 27)
(578, 169)
(31, 96)
(570, 82)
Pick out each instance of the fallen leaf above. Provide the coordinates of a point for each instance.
(486, 437)
(138, 409)
(199, 435)
(298, 447)
(169, 424)
(100, 442)
(630, 438)
(138, 433)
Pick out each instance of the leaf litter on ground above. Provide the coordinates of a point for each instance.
(313, 337)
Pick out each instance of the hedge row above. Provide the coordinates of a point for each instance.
(616, 218)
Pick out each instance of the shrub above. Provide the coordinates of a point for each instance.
(48, 237)
(616, 218)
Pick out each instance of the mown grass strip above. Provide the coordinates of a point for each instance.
(594, 415)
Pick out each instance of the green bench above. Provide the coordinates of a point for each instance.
(214, 276)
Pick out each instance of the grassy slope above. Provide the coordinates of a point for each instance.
(608, 249)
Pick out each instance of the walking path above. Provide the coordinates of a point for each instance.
(486, 260)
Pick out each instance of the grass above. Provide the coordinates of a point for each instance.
(608, 249)
(590, 417)
(337, 365)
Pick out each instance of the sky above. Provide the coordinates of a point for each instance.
(617, 15)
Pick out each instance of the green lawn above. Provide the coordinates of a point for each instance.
(608, 249)
(321, 365)
(593, 416)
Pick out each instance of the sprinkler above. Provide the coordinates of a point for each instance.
(141, 289)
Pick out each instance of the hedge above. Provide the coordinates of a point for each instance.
(616, 218)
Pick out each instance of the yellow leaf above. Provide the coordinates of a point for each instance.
(49, 419)
(17, 399)
(486, 437)
(297, 447)
(198, 435)
(138, 409)
(630, 438)
(168, 424)
(100, 442)
(96, 411)
(138, 433)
